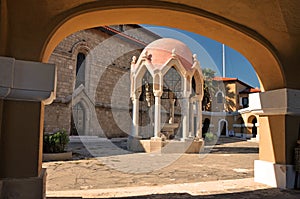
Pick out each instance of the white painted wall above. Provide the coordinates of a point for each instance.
(254, 101)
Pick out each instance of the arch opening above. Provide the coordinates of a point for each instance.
(259, 52)
(174, 86)
(205, 126)
(253, 125)
(223, 128)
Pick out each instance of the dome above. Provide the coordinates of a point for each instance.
(161, 51)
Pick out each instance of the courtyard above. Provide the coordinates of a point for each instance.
(100, 168)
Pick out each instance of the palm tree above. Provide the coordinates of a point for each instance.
(209, 88)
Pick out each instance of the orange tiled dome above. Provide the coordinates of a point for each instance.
(161, 51)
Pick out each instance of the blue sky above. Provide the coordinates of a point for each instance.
(209, 53)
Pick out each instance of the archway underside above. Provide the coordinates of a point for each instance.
(256, 50)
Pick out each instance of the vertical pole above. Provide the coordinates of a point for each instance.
(223, 60)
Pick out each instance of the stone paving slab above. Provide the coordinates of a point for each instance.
(139, 170)
(226, 168)
(193, 189)
(233, 189)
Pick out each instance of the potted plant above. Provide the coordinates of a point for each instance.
(54, 145)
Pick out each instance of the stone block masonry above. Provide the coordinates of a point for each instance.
(106, 76)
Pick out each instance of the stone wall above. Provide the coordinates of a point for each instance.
(57, 116)
(107, 80)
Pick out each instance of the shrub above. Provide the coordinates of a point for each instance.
(55, 142)
(209, 136)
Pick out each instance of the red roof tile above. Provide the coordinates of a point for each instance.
(224, 79)
(251, 90)
(161, 51)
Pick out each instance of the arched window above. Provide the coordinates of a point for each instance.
(219, 97)
(245, 102)
(193, 86)
(147, 87)
(80, 70)
(172, 83)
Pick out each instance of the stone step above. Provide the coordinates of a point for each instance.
(87, 139)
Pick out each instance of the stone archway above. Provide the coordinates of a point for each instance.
(81, 113)
(57, 20)
(253, 125)
(205, 126)
(232, 35)
(78, 119)
(260, 53)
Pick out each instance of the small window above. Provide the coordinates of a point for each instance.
(220, 97)
(245, 102)
(80, 70)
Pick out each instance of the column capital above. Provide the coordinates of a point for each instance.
(172, 101)
(157, 93)
(27, 80)
(186, 99)
(283, 101)
(136, 95)
(196, 98)
(186, 94)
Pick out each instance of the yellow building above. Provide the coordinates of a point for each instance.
(234, 109)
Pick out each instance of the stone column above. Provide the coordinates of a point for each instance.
(279, 132)
(135, 114)
(1, 116)
(172, 110)
(185, 119)
(21, 139)
(192, 130)
(199, 118)
(157, 114)
(24, 90)
(133, 141)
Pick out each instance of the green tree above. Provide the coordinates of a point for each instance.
(209, 88)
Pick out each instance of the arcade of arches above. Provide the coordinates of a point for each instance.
(266, 32)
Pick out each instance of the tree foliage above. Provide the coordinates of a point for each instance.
(209, 88)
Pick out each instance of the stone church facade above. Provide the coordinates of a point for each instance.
(92, 66)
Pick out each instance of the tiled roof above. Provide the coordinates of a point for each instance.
(228, 79)
(121, 34)
(224, 79)
(251, 90)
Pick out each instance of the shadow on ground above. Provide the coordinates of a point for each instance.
(82, 150)
(234, 150)
(225, 140)
(264, 193)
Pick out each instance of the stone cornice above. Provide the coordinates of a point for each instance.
(27, 80)
(280, 102)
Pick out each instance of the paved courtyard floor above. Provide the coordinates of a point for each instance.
(102, 169)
